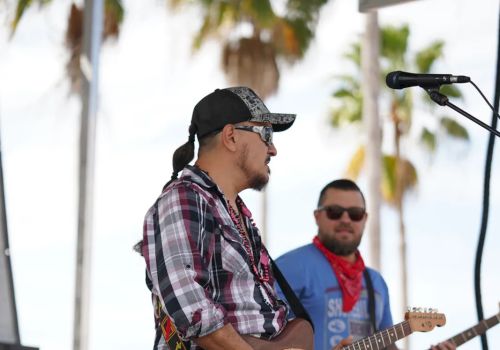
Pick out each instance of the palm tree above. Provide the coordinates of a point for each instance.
(113, 18)
(399, 175)
(251, 59)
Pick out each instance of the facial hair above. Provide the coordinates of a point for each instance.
(338, 247)
(255, 180)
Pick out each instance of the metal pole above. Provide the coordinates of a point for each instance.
(9, 329)
(89, 63)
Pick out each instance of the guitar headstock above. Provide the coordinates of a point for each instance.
(424, 320)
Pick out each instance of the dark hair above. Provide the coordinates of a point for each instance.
(340, 184)
(138, 247)
(183, 155)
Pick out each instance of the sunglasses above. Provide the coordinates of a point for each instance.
(335, 212)
(265, 132)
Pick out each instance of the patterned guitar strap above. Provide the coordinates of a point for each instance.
(172, 338)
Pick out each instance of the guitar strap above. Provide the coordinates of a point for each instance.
(169, 332)
(295, 304)
(371, 299)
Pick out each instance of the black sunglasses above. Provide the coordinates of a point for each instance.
(335, 212)
(265, 132)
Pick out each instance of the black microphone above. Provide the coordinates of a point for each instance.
(401, 80)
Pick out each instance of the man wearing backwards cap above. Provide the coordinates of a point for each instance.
(206, 266)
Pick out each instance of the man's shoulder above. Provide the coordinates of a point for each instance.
(297, 252)
(187, 188)
(376, 277)
(301, 256)
(183, 193)
(373, 272)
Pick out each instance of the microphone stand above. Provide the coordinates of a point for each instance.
(442, 100)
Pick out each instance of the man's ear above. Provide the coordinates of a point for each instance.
(316, 216)
(229, 137)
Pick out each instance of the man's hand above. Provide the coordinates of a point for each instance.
(343, 342)
(444, 346)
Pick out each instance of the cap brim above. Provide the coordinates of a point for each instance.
(279, 121)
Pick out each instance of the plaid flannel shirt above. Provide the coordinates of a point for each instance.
(197, 268)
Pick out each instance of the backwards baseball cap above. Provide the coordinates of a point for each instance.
(221, 107)
(231, 106)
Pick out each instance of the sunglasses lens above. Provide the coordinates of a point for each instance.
(268, 134)
(334, 212)
(356, 214)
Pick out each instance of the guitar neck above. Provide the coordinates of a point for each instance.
(382, 339)
(474, 331)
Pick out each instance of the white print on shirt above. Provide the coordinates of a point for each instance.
(359, 311)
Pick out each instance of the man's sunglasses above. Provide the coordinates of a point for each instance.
(335, 212)
(265, 132)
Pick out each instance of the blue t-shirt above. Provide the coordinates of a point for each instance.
(311, 277)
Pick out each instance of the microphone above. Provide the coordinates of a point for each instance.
(401, 80)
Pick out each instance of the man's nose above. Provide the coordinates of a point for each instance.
(272, 149)
(345, 217)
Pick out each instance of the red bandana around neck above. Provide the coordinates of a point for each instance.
(348, 275)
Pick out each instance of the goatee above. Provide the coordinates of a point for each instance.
(338, 247)
(255, 181)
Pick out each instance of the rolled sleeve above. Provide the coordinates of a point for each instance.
(179, 232)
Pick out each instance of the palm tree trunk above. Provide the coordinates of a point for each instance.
(404, 268)
(89, 63)
(371, 72)
(399, 208)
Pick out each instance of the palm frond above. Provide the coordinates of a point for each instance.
(21, 7)
(428, 138)
(390, 178)
(388, 185)
(343, 93)
(354, 54)
(426, 57)
(204, 31)
(451, 91)
(291, 38)
(356, 163)
(113, 18)
(454, 129)
(350, 109)
(260, 11)
(394, 44)
(348, 113)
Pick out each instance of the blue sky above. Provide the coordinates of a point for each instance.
(148, 90)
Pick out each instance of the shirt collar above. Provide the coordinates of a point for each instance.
(198, 176)
(202, 178)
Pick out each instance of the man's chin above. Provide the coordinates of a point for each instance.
(258, 183)
(341, 247)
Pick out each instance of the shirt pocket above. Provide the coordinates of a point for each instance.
(233, 254)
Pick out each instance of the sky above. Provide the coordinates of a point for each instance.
(150, 81)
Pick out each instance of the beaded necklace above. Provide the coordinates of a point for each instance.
(264, 261)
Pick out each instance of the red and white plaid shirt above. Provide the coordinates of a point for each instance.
(198, 269)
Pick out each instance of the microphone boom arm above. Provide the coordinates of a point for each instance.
(443, 100)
